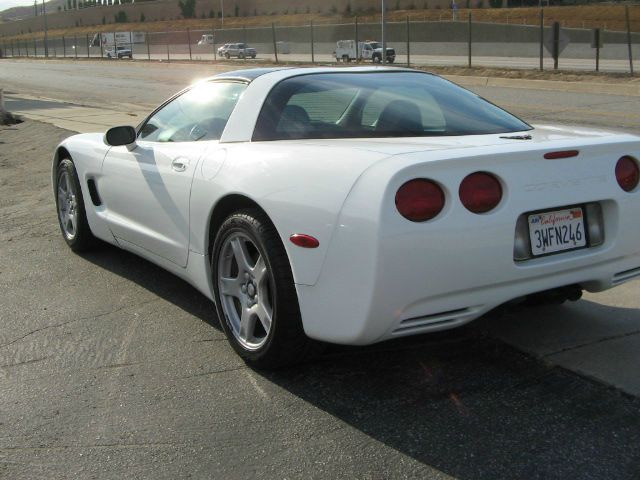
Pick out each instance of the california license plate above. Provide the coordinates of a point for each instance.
(557, 231)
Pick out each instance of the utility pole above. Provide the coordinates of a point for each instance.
(222, 11)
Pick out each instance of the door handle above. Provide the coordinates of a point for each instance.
(180, 164)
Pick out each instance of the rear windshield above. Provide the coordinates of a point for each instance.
(377, 105)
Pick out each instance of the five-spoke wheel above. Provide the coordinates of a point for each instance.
(246, 290)
(70, 206)
(255, 293)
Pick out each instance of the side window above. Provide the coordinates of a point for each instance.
(198, 114)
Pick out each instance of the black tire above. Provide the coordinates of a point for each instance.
(391, 60)
(253, 56)
(83, 239)
(227, 56)
(376, 59)
(285, 343)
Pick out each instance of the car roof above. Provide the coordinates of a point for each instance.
(250, 74)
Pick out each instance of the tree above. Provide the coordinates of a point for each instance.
(188, 8)
(121, 17)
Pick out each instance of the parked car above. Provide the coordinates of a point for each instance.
(353, 205)
(119, 52)
(239, 50)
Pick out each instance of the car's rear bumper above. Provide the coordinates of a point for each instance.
(385, 276)
(405, 305)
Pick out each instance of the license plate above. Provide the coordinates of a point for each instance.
(557, 231)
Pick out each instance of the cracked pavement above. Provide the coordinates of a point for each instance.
(113, 368)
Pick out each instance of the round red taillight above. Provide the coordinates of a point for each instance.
(627, 173)
(419, 200)
(480, 192)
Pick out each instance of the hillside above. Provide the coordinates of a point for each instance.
(20, 13)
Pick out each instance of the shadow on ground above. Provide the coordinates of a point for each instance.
(459, 401)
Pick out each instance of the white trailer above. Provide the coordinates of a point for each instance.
(112, 39)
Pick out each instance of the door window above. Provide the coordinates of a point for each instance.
(200, 113)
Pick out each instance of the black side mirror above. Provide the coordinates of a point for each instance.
(117, 136)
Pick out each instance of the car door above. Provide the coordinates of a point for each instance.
(146, 187)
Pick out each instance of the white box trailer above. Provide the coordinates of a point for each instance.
(111, 39)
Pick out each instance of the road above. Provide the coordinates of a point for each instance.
(111, 367)
(181, 52)
(124, 85)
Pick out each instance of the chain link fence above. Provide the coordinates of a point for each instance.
(459, 42)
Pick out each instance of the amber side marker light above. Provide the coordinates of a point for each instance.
(305, 241)
(627, 173)
(561, 154)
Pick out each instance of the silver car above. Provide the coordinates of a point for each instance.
(239, 50)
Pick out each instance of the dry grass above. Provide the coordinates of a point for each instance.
(609, 17)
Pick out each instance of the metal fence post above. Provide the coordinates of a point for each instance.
(189, 43)
(626, 13)
(213, 44)
(408, 43)
(75, 45)
(64, 48)
(313, 58)
(275, 45)
(556, 44)
(88, 54)
(101, 47)
(166, 41)
(541, 39)
(12, 48)
(244, 41)
(146, 40)
(469, 59)
(26, 48)
(596, 38)
(357, 48)
(35, 47)
(115, 46)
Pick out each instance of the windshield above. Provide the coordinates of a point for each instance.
(379, 104)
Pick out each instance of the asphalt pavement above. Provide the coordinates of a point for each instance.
(111, 367)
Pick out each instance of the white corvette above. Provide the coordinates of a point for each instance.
(354, 205)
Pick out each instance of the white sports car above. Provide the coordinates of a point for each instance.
(354, 205)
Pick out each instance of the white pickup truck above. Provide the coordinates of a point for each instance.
(367, 50)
